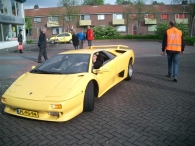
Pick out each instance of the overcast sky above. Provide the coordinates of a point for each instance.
(29, 4)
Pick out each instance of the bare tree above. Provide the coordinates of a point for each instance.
(187, 6)
(68, 12)
(137, 12)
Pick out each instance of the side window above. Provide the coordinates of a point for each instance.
(66, 34)
(60, 35)
(106, 57)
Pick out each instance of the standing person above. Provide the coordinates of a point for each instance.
(89, 36)
(42, 45)
(20, 40)
(174, 45)
(82, 38)
(75, 40)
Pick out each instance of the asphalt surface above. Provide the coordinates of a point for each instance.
(149, 110)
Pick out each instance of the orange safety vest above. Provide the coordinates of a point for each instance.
(174, 39)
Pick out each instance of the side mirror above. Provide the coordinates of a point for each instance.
(33, 67)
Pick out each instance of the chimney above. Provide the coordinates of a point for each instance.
(36, 7)
(95, 4)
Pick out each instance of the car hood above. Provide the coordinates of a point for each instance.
(42, 86)
(53, 38)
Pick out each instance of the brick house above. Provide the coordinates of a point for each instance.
(113, 15)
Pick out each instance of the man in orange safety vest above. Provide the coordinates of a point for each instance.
(174, 45)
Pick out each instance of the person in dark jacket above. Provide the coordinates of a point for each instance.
(42, 44)
(75, 40)
(97, 63)
(20, 40)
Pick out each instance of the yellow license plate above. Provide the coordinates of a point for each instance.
(27, 113)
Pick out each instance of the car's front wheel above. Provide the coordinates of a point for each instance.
(70, 42)
(53, 42)
(89, 97)
(130, 70)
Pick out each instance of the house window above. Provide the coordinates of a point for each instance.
(180, 16)
(18, 9)
(101, 17)
(149, 16)
(117, 16)
(164, 16)
(85, 17)
(51, 19)
(13, 5)
(121, 28)
(56, 31)
(68, 18)
(3, 6)
(152, 28)
(36, 19)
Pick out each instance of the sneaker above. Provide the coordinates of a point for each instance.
(174, 80)
(168, 76)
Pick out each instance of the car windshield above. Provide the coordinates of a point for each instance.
(64, 64)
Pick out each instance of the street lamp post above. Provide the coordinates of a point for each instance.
(184, 3)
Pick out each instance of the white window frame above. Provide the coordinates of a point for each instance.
(121, 28)
(68, 18)
(37, 19)
(85, 17)
(53, 19)
(54, 31)
(101, 17)
(117, 16)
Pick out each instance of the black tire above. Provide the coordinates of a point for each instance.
(89, 97)
(52, 42)
(130, 71)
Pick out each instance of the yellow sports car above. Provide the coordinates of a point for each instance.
(66, 84)
(61, 38)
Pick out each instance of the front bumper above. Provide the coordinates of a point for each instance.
(70, 108)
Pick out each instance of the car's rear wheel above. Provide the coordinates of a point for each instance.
(89, 97)
(130, 70)
(53, 42)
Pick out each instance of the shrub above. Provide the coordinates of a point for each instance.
(162, 27)
(183, 28)
(29, 41)
(107, 31)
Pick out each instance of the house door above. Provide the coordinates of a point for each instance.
(135, 29)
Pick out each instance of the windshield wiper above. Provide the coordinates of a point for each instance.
(44, 72)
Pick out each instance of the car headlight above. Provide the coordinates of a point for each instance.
(3, 99)
(56, 106)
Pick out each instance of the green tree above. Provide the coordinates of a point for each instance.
(121, 2)
(187, 6)
(28, 24)
(92, 2)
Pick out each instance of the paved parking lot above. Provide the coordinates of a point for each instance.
(149, 110)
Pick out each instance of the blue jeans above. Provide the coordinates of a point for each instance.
(173, 59)
(89, 43)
